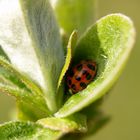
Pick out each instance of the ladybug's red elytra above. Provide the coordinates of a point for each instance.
(81, 75)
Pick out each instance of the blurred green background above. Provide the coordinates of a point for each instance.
(123, 104)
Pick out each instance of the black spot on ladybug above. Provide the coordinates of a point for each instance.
(88, 76)
(73, 87)
(83, 85)
(79, 67)
(71, 73)
(90, 66)
(78, 78)
(69, 81)
(84, 72)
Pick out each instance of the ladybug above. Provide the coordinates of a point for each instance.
(81, 75)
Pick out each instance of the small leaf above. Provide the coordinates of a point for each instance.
(73, 123)
(108, 43)
(70, 51)
(75, 14)
(27, 131)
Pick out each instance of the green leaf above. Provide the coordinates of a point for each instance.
(46, 42)
(27, 131)
(27, 112)
(109, 43)
(74, 123)
(70, 51)
(17, 85)
(23, 95)
(75, 14)
(20, 79)
(30, 37)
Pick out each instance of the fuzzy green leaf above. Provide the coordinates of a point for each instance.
(46, 42)
(75, 14)
(109, 43)
(34, 102)
(30, 112)
(73, 123)
(9, 72)
(30, 37)
(24, 90)
(70, 51)
(27, 131)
